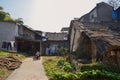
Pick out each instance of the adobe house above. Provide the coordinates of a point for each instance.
(53, 42)
(101, 13)
(28, 40)
(94, 41)
(95, 36)
(14, 37)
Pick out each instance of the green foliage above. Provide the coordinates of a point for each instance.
(97, 74)
(60, 63)
(19, 56)
(8, 18)
(50, 65)
(99, 66)
(2, 72)
(57, 76)
(5, 72)
(62, 51)
(87, 75)
(66, 66)
(5, 17)
(4, 54)
(64, 76)
(2, 15)
(59, 69)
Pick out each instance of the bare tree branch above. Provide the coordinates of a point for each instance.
(114, 3)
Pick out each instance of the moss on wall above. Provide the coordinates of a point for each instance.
(84, 50)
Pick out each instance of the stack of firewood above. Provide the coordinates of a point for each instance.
(10, 63)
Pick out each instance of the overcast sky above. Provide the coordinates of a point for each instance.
(48, 15)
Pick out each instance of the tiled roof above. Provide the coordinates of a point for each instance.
(65, 29)
(56, 36)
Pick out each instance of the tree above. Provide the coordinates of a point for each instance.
(2, 16)
(114, 3)
(20, 21)
(5, 16)
(1, 8)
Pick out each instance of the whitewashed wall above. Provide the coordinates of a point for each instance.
(8, 31)
(71, 38)
(76, 40)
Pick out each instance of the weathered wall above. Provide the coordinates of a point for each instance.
(72, 34)
(20, 30)
(104, 12)
(84, 50)
(29, 33)
(93, 16)
(112, 57)
(25, 32)
(8, 31)
(90, 48)
(101, 13)
(76, 40)
(89, 41)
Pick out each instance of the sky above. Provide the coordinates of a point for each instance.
(48, 15)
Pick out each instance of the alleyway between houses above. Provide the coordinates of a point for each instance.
(29, 70)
